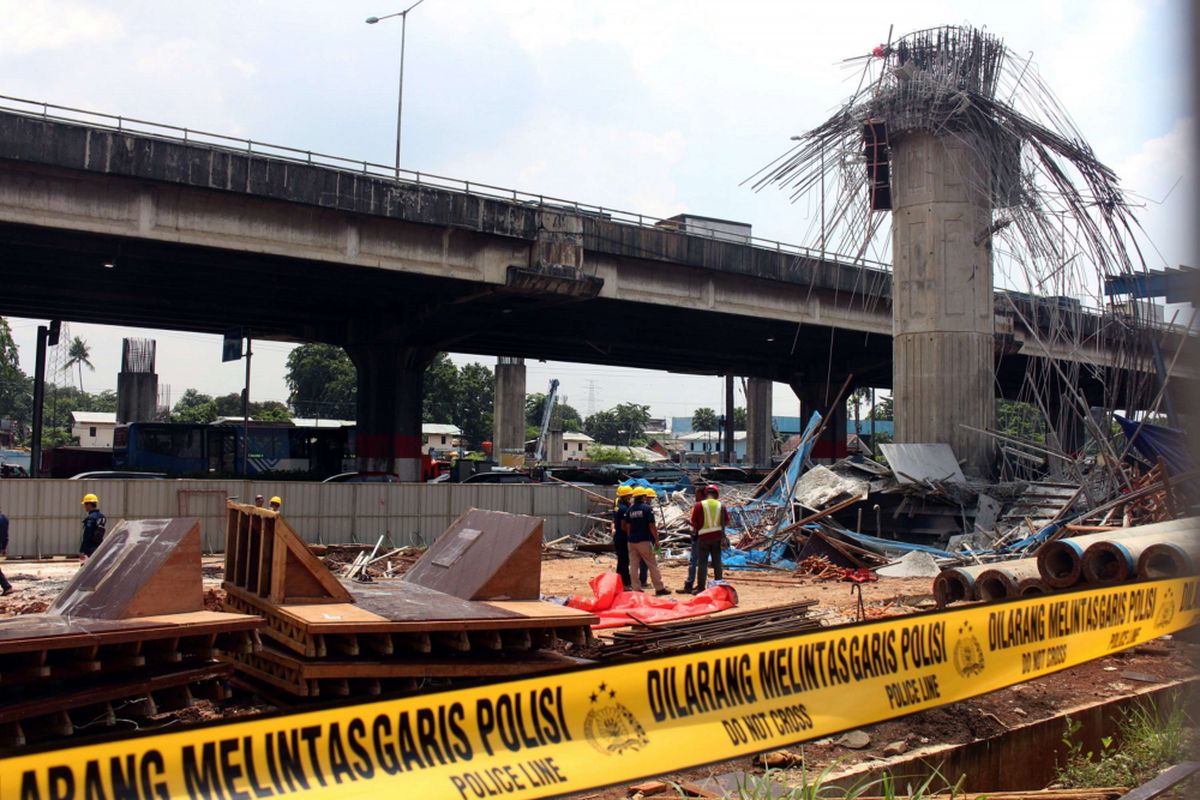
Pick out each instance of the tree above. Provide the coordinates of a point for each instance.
(625, 424)
(882, 409)
(598, 454)
(477, 395)
(603, 427)
(440, 391)
(739, 419)
(535, 403)
(270, 411)
(856, 399)
(16, 388)
(633, 419)
(704, 419)
(322, 382)
(79, 355)
(102, 401)
(1022, 420)
(194, 407)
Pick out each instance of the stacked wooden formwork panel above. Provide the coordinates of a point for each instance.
(468, 608)
(128, 637)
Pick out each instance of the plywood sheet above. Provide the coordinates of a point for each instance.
(143, 566)
(51, 631)
(917, 463)
(484, 555)
(538, 608)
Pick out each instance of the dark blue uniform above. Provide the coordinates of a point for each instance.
(621, 544)
(641, 517)
(94, 526)
(5, 586)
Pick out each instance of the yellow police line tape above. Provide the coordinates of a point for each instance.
(585, 728)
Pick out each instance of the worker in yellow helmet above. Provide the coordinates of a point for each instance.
(94, 526)
(643, 538)
(275, 503)
(625, 498)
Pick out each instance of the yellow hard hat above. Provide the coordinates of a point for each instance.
(276, 500)
(90, 498)
(624, 490)
(643, 491)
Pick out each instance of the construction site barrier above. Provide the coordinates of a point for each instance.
(578, 730)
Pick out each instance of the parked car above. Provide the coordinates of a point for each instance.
(110, 475)
(499, 476)
(363, 477)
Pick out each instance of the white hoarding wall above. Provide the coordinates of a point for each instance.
(45, 515)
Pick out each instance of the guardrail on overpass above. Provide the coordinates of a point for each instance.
(220, 141)
(45, 515)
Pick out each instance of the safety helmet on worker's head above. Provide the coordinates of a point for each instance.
(712, 490)
(90, 498)
(624, 490)
(648, 491)
(276, 500)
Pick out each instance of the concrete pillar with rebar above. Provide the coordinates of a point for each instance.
(943, 316)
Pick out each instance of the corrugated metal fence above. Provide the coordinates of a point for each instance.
(45, 515)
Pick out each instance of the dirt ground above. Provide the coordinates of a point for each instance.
(836, 600)
(1161, 662)
(1164, 661)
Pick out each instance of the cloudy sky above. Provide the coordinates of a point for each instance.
(657, 107)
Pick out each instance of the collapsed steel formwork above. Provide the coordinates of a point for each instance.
(468, 608)
(129, 633)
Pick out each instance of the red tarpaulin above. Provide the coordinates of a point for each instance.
(617, 608)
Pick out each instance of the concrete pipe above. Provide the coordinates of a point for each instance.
(1167, 560)
(1061, 561)
(956, 584)
(1032, 587)
(1106, 563)
(1002, 580)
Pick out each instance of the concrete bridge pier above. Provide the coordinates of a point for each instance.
(942, 299)
(758, 421)
(388, 435)
(508, 413)
(816, 394)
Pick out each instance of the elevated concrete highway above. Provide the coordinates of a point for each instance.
(203, 237)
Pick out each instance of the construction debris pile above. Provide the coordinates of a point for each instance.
(918, 516)
(363, 562)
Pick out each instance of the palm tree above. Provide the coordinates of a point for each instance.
(79, 354)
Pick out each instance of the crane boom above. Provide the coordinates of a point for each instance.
(547, 412)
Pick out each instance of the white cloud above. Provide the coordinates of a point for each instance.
(31, 25)
(571, 158)
(1161, 174)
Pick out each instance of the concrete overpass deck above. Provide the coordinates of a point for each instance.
(204, 233)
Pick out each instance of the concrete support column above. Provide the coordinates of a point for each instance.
(508, 413)
(814, 395)
(942, 302)
(388, 431)
(758, 422)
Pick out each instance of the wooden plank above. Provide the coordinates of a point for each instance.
(1164, 782)
(414, 667)
(97, 692)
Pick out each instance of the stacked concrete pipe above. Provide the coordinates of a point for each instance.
(1005, 578)
(1168, 560)
(1118, 560)
(1061, 561)
(957, 584)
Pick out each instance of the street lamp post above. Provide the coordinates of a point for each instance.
(403, 15)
